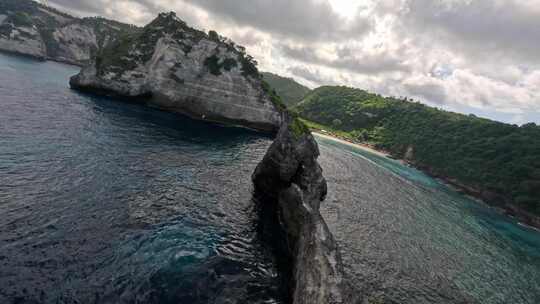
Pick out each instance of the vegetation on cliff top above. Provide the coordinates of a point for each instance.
(488, 155)
(298, 127)
(135, 47)
(290, 91)
(215, 65)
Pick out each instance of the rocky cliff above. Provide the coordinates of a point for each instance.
(290, 178)
(174, 67)
(177, 68)
(29, 28)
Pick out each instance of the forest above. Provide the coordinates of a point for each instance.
(496, 158)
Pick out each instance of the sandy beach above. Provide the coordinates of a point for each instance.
(359, 146)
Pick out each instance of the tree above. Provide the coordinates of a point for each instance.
(213, 35)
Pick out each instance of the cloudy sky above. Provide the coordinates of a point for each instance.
(470, 56)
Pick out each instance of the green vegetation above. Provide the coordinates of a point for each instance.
(21, 19)
(298, 128)
(274, 96)
(213, 35)
(291, 91)
(488, 155)
(114, 55)
(318, 127)
(249, 66)
(108, 30)
(229, 63)
(214, 65)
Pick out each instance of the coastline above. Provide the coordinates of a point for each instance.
(498, 202)
(42, 58)
(352, 144)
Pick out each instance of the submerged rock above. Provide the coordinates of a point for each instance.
(177, 68)
(290, 177)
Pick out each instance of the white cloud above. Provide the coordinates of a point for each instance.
(479, 56)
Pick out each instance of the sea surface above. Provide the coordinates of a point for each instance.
(407, 238)
(109, 202)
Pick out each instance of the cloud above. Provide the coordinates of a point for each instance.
(346, 58)
(313, 76)
(430, 90)
(496, 28)
(306, 20)
(464, 55)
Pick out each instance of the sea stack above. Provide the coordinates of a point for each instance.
(291, 178)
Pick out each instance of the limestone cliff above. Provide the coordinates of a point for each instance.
(29, 28)
(290, 177)
(177, 68)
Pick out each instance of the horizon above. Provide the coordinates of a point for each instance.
(440, 54)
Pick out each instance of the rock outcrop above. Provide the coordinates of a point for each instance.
(290, 177)
(174, 67)
(177, 68)
(29, 28)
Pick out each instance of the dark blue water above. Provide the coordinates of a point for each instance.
(108, 202)
(406, 238)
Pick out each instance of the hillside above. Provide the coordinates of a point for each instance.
(495, 161)
(29, 28)
(290, 91)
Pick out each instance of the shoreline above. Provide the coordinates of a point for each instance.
(42, 58)
(353, 144)
(522, 217)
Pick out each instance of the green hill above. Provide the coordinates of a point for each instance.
(290, 91)
(500, 162)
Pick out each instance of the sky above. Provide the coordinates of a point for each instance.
(468, 56)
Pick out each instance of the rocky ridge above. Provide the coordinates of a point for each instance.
(174, 67)
(290, 179)
(31, 29)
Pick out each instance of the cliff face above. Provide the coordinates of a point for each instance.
(180, 69)
(291, 177)
(21, 39)
(29, 28)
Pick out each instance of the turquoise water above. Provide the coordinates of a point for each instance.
(108, 202)
(406, 238)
